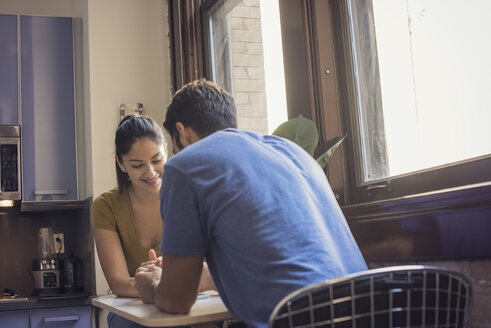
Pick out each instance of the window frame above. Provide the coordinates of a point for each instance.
(453, 175)
(209, 8)
(186, 48)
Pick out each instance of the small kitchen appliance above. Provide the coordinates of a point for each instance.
(47, 270)
(72, 276)
(10, 184)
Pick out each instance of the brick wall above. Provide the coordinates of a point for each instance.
(248, 66)
(479, 271)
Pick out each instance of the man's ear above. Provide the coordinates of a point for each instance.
(186, 135)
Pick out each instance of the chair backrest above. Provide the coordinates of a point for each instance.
(398, 296)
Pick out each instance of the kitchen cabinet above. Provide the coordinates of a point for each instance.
(14, 319)
(49, 152)
(9, 86)
(68, 317)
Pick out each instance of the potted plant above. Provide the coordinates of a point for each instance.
(304, 133)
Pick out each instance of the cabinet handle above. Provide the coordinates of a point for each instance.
(51, 192)
(74, 317)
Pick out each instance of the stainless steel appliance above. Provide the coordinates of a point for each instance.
(47, 270)
(47, 273)
(10, 186)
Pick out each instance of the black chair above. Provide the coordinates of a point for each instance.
(399, 296)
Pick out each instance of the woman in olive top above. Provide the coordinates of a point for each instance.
(126, 219)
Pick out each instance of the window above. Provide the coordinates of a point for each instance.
(421, 82)
(386, 73)
(244, 55)
(418, 109)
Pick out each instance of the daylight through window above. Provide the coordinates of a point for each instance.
(422, 74)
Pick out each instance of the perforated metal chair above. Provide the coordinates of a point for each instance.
(398, 296)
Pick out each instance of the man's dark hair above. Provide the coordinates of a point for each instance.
(203, 106)
(130, 130)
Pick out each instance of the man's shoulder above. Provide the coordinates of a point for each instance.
(232, 145)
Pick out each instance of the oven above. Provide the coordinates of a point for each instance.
(10, 170)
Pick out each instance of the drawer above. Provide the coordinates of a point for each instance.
(66, 317)
(14, 319)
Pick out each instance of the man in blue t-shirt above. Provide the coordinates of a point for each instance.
(258, 208)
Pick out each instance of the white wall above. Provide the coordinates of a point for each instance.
(129, 61)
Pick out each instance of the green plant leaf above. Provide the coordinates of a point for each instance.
(326, 149)
(301, 131)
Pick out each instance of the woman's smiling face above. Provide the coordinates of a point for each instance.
(144, 164)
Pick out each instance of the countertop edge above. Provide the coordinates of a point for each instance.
(43, 303)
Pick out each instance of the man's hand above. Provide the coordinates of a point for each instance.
(146, 278)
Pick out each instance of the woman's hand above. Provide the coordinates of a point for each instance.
(153, 259)
(146, 278)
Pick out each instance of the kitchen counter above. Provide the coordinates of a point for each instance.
(38, 302)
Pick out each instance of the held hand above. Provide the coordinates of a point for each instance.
(147, 267)
(146, 278)
(152, 256)
(153, 259)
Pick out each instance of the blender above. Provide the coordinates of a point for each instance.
(47, 267)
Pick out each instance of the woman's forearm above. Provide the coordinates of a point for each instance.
(113, 262)
(123, 288)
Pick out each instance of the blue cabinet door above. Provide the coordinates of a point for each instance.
(48, 115)
(67, 317)
(9, 101)
(15, 319)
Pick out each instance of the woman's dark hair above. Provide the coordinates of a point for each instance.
(203, 106)
(130, 129)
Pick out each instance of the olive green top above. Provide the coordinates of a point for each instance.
(112, 211)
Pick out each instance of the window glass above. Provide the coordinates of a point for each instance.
(422, 74)
(246, 59)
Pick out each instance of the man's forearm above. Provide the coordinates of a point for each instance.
(171, 303)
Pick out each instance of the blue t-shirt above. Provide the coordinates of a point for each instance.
(261, 211)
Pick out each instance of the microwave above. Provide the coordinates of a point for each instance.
(10, 170)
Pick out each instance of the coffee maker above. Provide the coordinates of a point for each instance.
(72, 276)
(47, 269)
